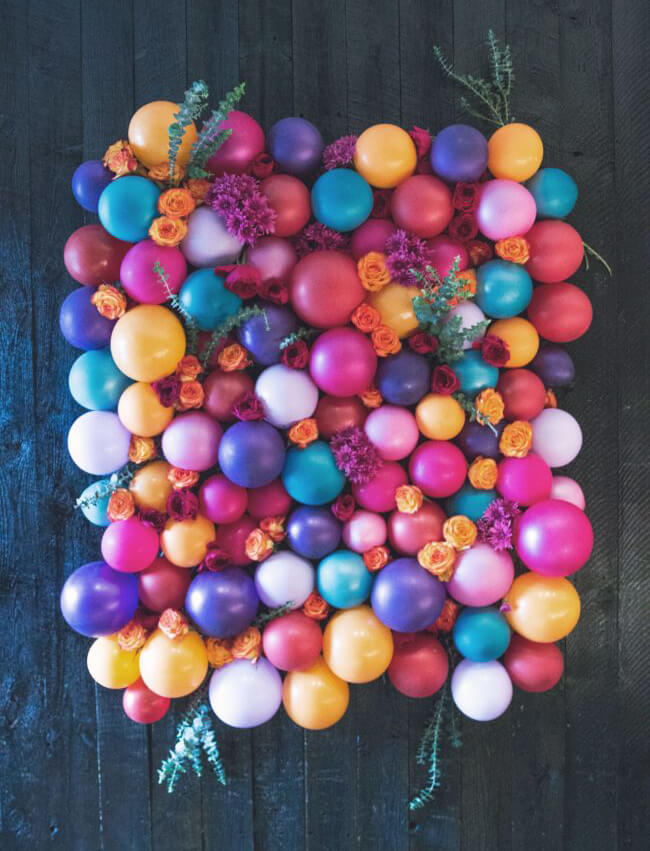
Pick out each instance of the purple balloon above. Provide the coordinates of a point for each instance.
(554, 537)
(475, 439)
(405, 597)
(262, 336)
(459, 152)
(222, 604)
(251, 454)
(191, 441)
(97, 600)
(245, 694)
(554, 366)
(88, 182)
(404, 378)
(313, 531)
(81, 323)
(296, 145)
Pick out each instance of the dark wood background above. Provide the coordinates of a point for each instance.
(563, 770)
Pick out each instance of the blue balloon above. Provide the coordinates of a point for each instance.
(95, 382)
(81, 323)
(310, 475)
(205, 298)
(313, 532)
(344, 580)
(481, 634)
(296, 145)
(96, 510)
(555, 193)
(503, 289)
(97, 600)
(128, 206)
(404, 378)
(262, 335)
(470, 501)
(341, 199)
(474, 373)
(251, 454)
(88, 182)
(222, 604)
(405, 597)
(459, 152)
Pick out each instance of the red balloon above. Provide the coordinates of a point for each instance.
(222, 389)
(163, 585)
(408, 533)
(422, 205)
(379, 493)
(269, 500)
(524, 480)
(231, 537)
(560, 312)
(290, 199)
(556, 251)
(92, 256)
(292, 642)
(325, 289)
(523, 392)
(419, 666)
(336, 412)
(371, 236)
(142, 705)
(221, 500)
(438, 468)
(533, 666)
(242, 146)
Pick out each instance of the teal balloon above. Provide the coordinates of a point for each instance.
(503, 289)
(555, 193)
(95, 382)
(343, 579)
(96, 512)
(128, 206)
(470, 501)
(341, 199)
(474, 373)
(481, 634)
(205, 298)
(310, 475)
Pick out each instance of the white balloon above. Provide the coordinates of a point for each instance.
(283, 578)
(481, 690)
(98, 443)
(557, 437)
(208, 243)
(288, 395)
(470, 314)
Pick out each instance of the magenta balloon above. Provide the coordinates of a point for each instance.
(379, 493)
(273, 257)
(481, 576)
(524, 480)
(343, 362)
(221, 500)
(129, 545)
(393, 431)
(441, 251)
(268, 500)
(364, 530)
(242, 146)
(438, 468)
(371, 236)
(568, 489)
(505, 209)
(138, 277)
(554, 538)
(191, 441)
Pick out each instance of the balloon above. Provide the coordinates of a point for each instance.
(344, 581)
(357, 647)
(470, 315)
(137, 274)
(422, 204)
(524, 480)
(95, 382)
(191, 441)
(81, 323)
(208, 302)
(325, 288)
(419, 666)
(222, 390)
(557, 437)
(371, 236)
(364, 530)
(459, 153)
(341, 199)
(141, 412)
(149, 134)
(151, 487)
(439, 416)
(379, 493)
(288, 395)
(296, 145)
(109, 665)
(555, 193)
(147, 342)
(475, 439)
(88, 182)
(274, 258)
(515, 152)
(404, 378)
(481, 576)
(208, 242)
(335, 412)
(231, 537)
(342, 362)
(173, 667)
(438, 468)
(283, 578)
(262, 335)
(503, 289)
(442, 251)
(289, 197)
(532, 666)
(553, 365)
(98, 443)
(221, 500)
(141, 705)
(523, 393)
(560, 312)
(313, 532)
(251, 454)
(521, 338)
(128, 206)
(92, 256)
(185, 542)
(408, 533)
(554, 538)
(505, 209)
(97, 600)
(95, 510)
(556, 251)
(222, 604)
(470, 501)
(268, 500)
(315, 698)
(481, 690)
(292, 642)
(481, 634)
(129, 545)
(568, 489)
(393, 431)
(245, 142)
(245, 694)
(163, 585)
(542, 608)
(385, 155)
(395, 305)
(405, 597)
(311, 476)
(474, 374)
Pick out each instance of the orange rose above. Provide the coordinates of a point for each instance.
(109, 301)
(160, 172)
(247, 645)
(482, 473)
(168, 232)
(189, 367)
(141, 449)
(274, 527)
(315, 607)
(438, 557)
(176, 203)
(459, 531)
(489, 404)
(190, 395)
(233, 357)
(182, 478)
(550, 399)
(447, 617)
(366, 318)
(516, 439)
(515, 249)
(218, 651)
(371, 397)
(173, 623)
(199, 187)
(408, 499)
(468, 276)
(375, 558)
(259, 545)
(121, 505)
(373, 272)
(385, 341)
(304, 432)
(132, 636)
(120, 158)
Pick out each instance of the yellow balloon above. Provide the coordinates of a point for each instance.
(173, 667)
(385, 155)
(109, 665)
(357, 646)
(521, 337)
(147, 342)
(439, 417)
(149, 134)
(185, 542)
(515, 152)
(151, 487)
(140, 410)
(315, 698)
(542, 608)
(395, 305)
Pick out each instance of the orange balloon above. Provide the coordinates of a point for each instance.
(185, 542)
(515, 152)
(140, 410)
(395, 305)
(385, 155)
(439, 417)
(173, 667)
(109, 665)
(147, 342)
(357, 646)
(149, 134)
(542, 608)
(151, 487)
(521, 337)
(315, 698)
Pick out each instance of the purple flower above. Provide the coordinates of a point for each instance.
(245, 210)
(403, 253)
(355, 455)
(167, 390)
(182, 504)
(340, 153)
(495, 525)
(318, 237)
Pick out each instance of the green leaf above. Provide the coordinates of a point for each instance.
(195, 101)
(211, 138)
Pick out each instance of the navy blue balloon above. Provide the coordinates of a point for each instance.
(555, 193)
(503, 289)
(404, 378)
(313, 532)
(470, 501)
(341, 199)
(81, 323)
(405, 597)
(251, 454)
(88, 182)
(97, 600)
(262, 337)
(554, 366)
(474, 373)
(222, 604)
(295, 145)
(459, 152)
(481, 634)
(476, 439)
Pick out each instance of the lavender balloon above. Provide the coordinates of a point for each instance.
(288, 395)
(191, 441)
(405, 597)
(245, 694)
(482, 576)
(296, 145)
(481, 690)
(262, 335)
(284, 578)
(222, 604)
(557, 437)
(97, 600)
(554, 366)
(273, 257)
(459, 152)
(98, 443)
(208, 243)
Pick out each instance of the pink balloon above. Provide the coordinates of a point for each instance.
(371, 236)
(343, 362)
(292, 641)
(268, 500)
(438, 468)
(244, 143)
(393, 431)
(379, 493)
(273, 257)
(524, 480)
(138, 277)
(364, 530)
(554, 537)
(231, 537)
(568, 489)
(481, 576)
(221, 500)
(505, 209)
(441, 251)
(408, 533)
(191, 441)
(129, 545)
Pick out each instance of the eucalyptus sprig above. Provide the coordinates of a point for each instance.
(195, 101)
(106, 488)
(211, 138)
(590, 251)
(303, 333)
(453, 336)
(232, 322)
(269, 615)
(191, 327)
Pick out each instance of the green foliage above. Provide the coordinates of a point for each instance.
(191, 328)
(117, 480)
(229, 325)
(591, 252)
(195, 101)
(210, 139)
(302, 333)
(270, 614)
(195, 737)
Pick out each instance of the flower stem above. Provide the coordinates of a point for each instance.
(590, 250)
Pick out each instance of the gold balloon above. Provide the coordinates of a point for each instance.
(385, 155)
(515, 152)
(173, 667)
(109, 665)
(147, 342)
(439, 417)
(140, 411)
(185, 542)
(521, 337)
(149, 134)
(542, 608)
(151, 487)
(395, 305)
(315, 698)
(357, 646)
